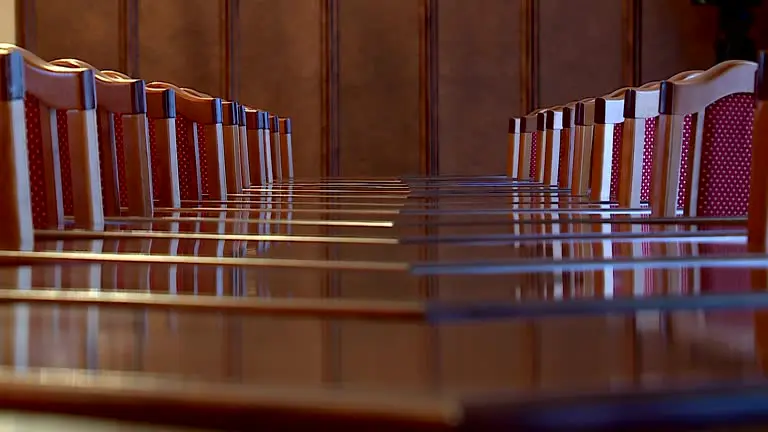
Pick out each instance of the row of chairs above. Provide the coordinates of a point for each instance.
(103, 148)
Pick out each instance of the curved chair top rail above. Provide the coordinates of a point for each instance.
(161, 103)
(241, 115)
(202, 110)
(609, 109)
(584, 112)
(274, 123)
(230, 109)
(256, 119)
(553, 118)
(11, 75)
(58, 87)
(123, 95)
(533, 121)
(569, 115)
(285, 125)
(697, 92)
(643, 102)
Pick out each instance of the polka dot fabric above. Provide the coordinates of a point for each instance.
(648, 146)
(724, 182)
(36, 162)
(562, 157)
(617, 135)
(66, 165)
(726, 157)
(203, 159)
(534, 154)
(122, 177)
(156, 183)
(648, 158)
(683, 180)
(187, 165)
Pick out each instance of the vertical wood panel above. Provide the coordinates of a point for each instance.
(129, 37)
(529, 56)
(580, 49)
(429, 87)
(330, 88)
(84, 29)
(180, 43)
(380, 136)
(379, 72)
(677, 36)
(230, 35)
(282, 70)
(26, 24)
(632, 26)
(479, 79)
(281, 57)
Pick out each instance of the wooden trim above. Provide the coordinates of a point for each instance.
(128, 49)
(429, 159)
(631, 49)
(529, 59)
(26, 24)
(330, 89)
(428, 88)
(330, 160)
(230, 39)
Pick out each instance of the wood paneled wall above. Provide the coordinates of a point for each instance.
(385, 87)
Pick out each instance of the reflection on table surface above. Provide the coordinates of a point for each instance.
(539, 347)
(25, 421)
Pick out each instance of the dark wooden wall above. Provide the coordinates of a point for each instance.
(385, 87)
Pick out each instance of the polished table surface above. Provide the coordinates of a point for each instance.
(453, 345)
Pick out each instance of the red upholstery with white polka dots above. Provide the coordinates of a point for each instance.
(156, 183)
(617, 136)
(36, 163)
(203, 159)
(683, 180)
(562, 157)
(648, 146)
(66, 165)
(186, 155)
(724, 179)
(726, 157)
(534, 154)
(121, 169)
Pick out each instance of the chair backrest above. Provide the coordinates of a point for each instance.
(231, 141)
(705, 132)
(567, 135)
(514, 148)
(260, 164)
(531, 127)
(286, 147)
(606, 153)
(583, 130)
(641, 109)
(757, 223)
(123, 142)
(15, 195)
(245, 159)
(200, 145)
(553, 125)
(161, 113)
(52, 89)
